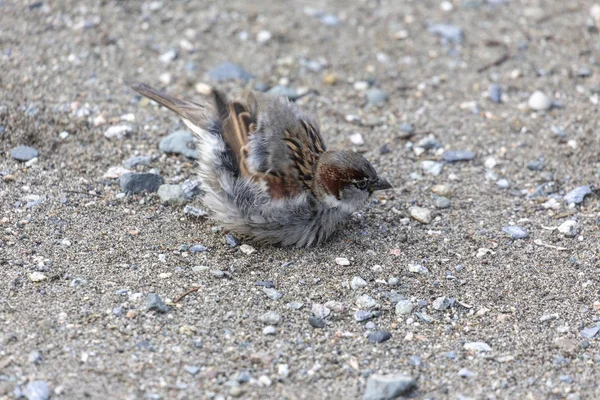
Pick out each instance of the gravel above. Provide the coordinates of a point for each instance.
(448, 33)
(179, 142)
(140, 182)
(171, 194)
(358, 283)
(423, 215)
(24, 153)
(376, 97)
(577, 195)
(133, 162)
(388, 387)
(515, 232)
(538, 101)
(37, 390)
(316, 323)
(404, 307)
(155, 303)
(270, 318)
(458, 155)
(379, 336)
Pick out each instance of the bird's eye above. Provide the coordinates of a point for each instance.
(362, 185)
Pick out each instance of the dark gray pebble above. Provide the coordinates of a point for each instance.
(155, 303)
(179, 142)
(232, 241)
(458, 155)
(24, 153)
(379, 336)
(317, 323)
(495, 93)
(140, 182)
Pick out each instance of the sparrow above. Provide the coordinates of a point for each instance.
(265, 171)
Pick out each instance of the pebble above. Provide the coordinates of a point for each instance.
(535, 165)
(423, 215)
(247, 249)
(232, 241)
(589, 333)
(198, 248)
(388, 387)
(329, 19)
(24, 153)
(270, 318)
(424, 317)
(393, 281)
(495, 93)
(269, 330)
(284, 91)
(376, 97)
(515, 232)
(442, 202)
(37, 390)
(538, 101)
(366, 301)
(63, 135)
(577, 195)
(117, 131)
(362, 315)
(465, 373)
(229, 71)
(155, 303)
(441, 190)
(34, 357)
(140, 182)
(432, 167)
(406, 131)
(194, 211)
(379, 336)
(417, 269)
(502, 183)
(320, 311)
(357, 139)
(263, 36)
(179, 142)
(358, 283)
(317, 323)
(133, 162)
(448, 33)
(168, 56)
(115, 172)
(458, 155)
(569, 228)
(477, 346)
(272, 293)
(404, 307)
(342, 261)
(428, 143)
(171, 194)
(441, 303)
(77, 282)
(37, 277)
(566, 345)
(295, 305)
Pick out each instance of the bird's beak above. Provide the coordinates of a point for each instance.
(380, 184)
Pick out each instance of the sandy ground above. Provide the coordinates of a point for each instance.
(84, 329)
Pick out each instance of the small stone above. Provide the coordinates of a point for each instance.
(406, 131)
(569, 228)
(477, 346)
(117, 131)
(566, 345)
(442, 202)
(404, 307)
(388, 387)
(417, 269)
(295, 305)
(155, 303)
(590, 332)
(376, 97)
(424, 317)
(441, 303)
(366, 301)
(329, 19)
(140, 182)
(63, 135)
(191, 369)
(342, 261)
(179, 142)
(115, 172)
(335, 306)
(283, 370)
(171, 194)
(217, 273)
(548, 317)
(37, 277)
(362, 315)
(270, 318)
(232, 241)
(198, 248)
(495, 93)
(357, 139)
(330, 79)
(263, 36)
(131, 314)
(448, 33)
(320, 311)
(441, 190)
(420, 214)
(538, 101)
(358, 283)
(458, 155)
(24, 153)
(535, 165)
(465, 373)
(247, 249)
(78, 282)
(168, 56)
(269, 330)
(316, 323)
(393, 281)
(432, 167)
(35, 357)
(379, 336)
(133, 162)
(428, 143)
(515, 232)
(194, 211)
(502, 183)
(284, 91)
(37, 390)
(272, 293)
(577, 195)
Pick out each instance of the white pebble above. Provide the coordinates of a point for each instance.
(358, 283)
(420, 214)
(342, 261)
(263, 36)
(357, 139)
(247, 249)
(539, 101)
(569, 228)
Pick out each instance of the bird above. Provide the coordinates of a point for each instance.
(265, 171)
